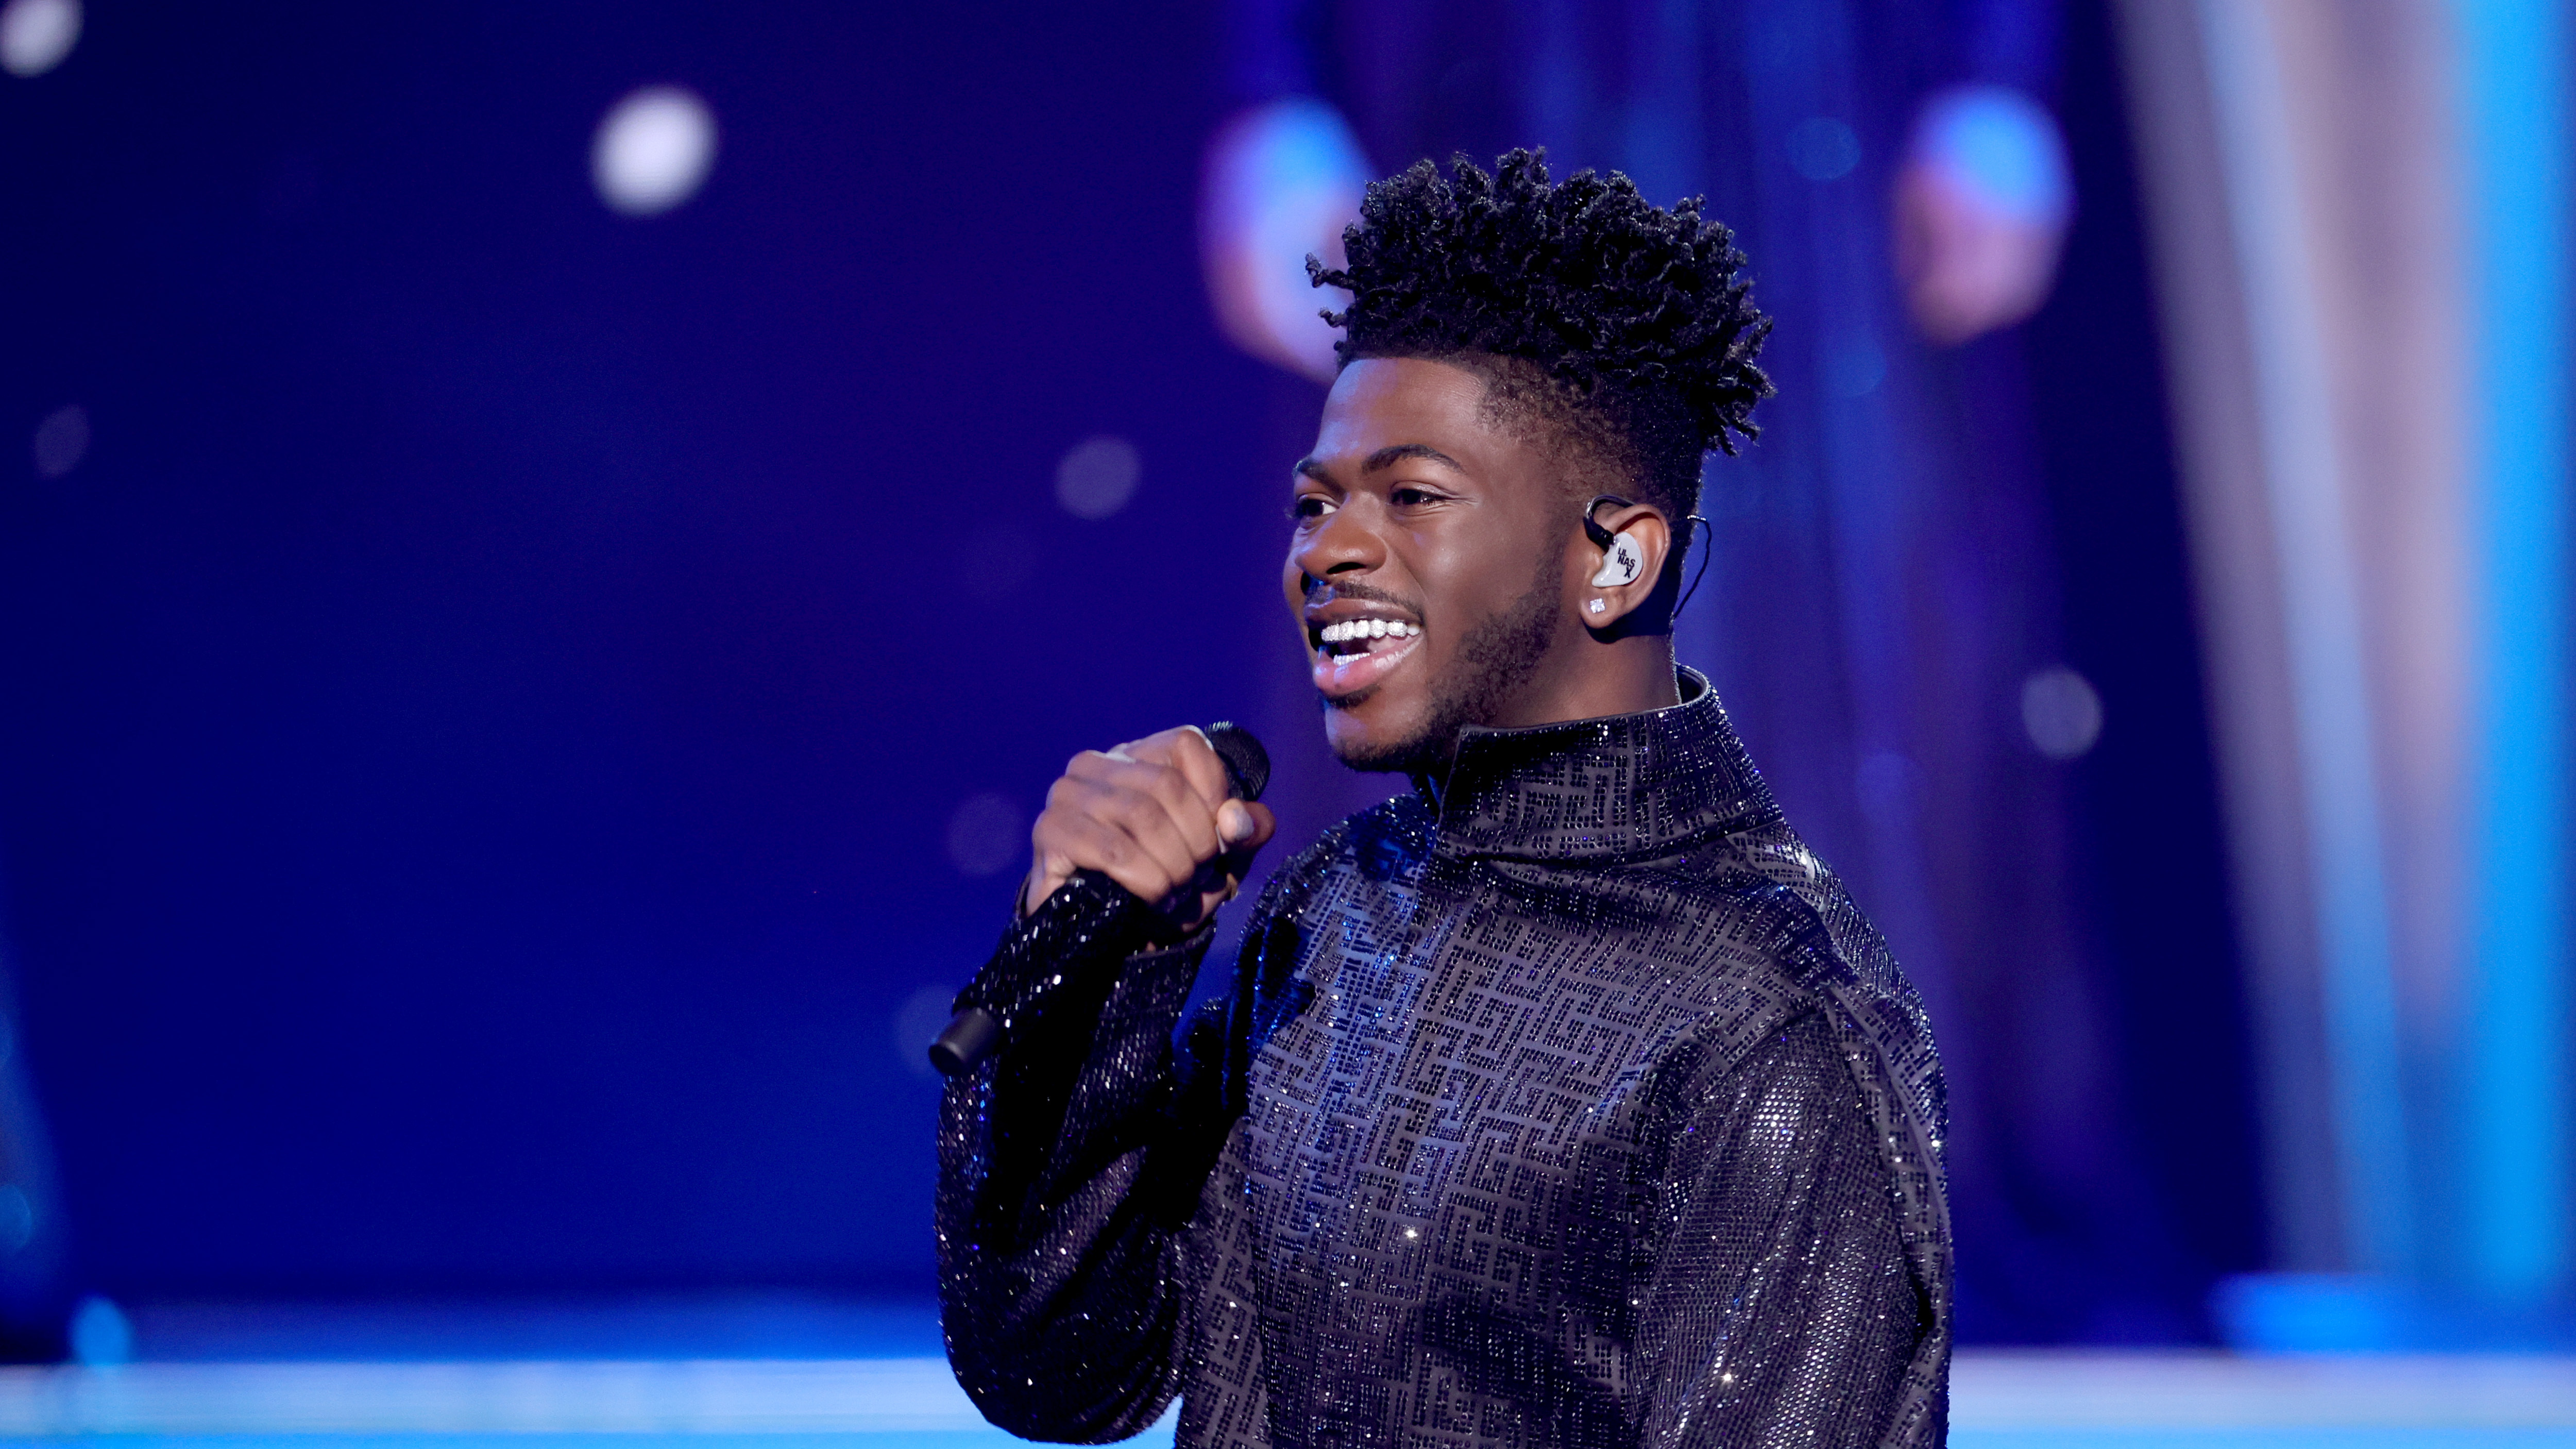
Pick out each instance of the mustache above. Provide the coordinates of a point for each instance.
(1321, 592)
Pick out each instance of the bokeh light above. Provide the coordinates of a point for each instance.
(36, 35)
(2062, 712)
(1856, 366)
(61, 441)
(986, 833)
(102, 1336)
(653, 151)
(1097, 477)
(1282, 182)
(2001, 147)
(1822, 148)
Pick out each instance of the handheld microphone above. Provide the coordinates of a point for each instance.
(1089, 912)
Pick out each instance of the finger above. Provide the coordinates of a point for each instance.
(1091, 843)
(1192, 814)
(1265, 825)
(1260, 826)
(1047, 872)
(1145, 817)
(1187, 750)
(1223, 881)
(1178, 848)
(1098, 824)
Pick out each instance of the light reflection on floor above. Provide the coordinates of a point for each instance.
(781, 1373)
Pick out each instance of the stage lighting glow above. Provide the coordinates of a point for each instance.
(35, 35)
(101, 1335)
(2002, 148)
(1822, 148)
(2062, 712)
(1282, 181)
(62, 440)
(653, 151)
(986, 834)
(1097, 477)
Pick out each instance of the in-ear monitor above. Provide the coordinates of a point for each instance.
(1623, 558)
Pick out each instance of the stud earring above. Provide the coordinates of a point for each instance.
(1597, 605)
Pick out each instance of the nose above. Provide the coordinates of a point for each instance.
(1343, 544)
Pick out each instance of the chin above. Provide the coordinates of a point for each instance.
(1364, 735)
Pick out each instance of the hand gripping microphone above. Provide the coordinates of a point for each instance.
(1089, 916)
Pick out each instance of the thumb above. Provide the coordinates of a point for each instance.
(1236, 823)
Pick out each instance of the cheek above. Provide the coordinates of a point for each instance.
(1466, 581)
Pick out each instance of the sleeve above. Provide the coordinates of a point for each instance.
(1069, 1172)
(1778, 1308)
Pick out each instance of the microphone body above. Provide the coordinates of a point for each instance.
(1090, 919)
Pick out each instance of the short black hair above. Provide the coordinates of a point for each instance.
(1630, 323)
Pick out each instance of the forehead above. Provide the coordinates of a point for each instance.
(1385, 402)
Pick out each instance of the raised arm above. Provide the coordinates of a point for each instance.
(1069, 1164)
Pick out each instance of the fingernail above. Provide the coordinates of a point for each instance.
(1234, 822)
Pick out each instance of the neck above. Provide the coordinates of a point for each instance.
(1587, 678)
(1584, 677)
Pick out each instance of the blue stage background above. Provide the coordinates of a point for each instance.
(483, 718)
(503, 730)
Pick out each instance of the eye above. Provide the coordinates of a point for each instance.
(1406, 495)
(1308, 506)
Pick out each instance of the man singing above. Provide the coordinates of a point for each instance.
(1565, 1101)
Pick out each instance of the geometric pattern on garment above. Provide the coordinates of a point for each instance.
(1579, 1108)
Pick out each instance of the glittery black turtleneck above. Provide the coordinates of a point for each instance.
(1579, 1109)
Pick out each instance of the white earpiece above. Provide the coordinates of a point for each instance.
(1621, 562)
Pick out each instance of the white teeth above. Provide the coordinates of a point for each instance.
(1351, 629)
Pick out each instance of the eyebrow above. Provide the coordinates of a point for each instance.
(1381, 460)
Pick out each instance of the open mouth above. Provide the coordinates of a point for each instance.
(1353, 654)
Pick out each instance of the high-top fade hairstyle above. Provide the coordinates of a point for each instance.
(1617, 327)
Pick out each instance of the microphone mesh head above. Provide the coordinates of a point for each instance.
(1247, 764)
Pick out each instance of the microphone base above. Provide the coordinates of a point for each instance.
(971, 1036)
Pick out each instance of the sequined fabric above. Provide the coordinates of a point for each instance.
(1579, 1108)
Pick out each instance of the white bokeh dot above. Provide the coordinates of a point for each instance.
(653, 151)
(61, 441)
(35, 35)
(1097, 477)
(986, 834)
(2062, 712)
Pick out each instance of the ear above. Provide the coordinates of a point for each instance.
(1624, 576)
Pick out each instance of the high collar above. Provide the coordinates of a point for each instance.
(1624, 785)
